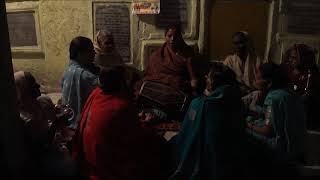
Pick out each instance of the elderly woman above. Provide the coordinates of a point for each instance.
(244, 62)
(30, 109)
(37, 111)
(106, 53)
(304, 76)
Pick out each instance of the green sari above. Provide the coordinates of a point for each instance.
(209, 145)
(285, 113)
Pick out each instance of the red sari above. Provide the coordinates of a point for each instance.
(110, 144)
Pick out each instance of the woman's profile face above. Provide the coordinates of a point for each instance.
(260, 82)
(293, 58)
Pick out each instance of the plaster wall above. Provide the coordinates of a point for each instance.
(58, 21)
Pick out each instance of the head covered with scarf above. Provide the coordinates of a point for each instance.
(244, 61)
(106, 53)
(300, 56)
(27, 88)
(30, 110)
(104, 42)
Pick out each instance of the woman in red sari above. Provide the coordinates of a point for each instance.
(171, 63)
(110, 143)
(303, 73)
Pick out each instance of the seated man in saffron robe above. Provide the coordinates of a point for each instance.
(209, 144)
(110, 144)
(171, 64)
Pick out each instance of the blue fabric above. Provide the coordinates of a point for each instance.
(287, 119)
(77, 83)
(207, 144)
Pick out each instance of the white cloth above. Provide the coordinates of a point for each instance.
(246, 73)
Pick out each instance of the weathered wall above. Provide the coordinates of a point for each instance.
(280, 30)
(228, 17)
(276, 25)
(62, 20)
(59, 21)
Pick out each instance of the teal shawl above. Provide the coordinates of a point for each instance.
(286, 114)
(208, 142)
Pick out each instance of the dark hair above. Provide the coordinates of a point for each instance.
(241, 34)
(306, 56)
(176, 26)
(33, 86)
(79, 44)
(273, 73)
(112, 79)
(222, 75)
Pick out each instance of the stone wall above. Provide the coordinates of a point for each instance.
(293, 21)
(59, 21)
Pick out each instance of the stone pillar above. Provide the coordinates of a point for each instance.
(204, 26)
(13, 152)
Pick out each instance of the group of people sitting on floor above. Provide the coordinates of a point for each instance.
(245, 119)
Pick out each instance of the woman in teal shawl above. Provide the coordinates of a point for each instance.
(209, 145)
(282, 124)
(279, 132)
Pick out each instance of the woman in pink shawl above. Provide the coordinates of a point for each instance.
(171, 64)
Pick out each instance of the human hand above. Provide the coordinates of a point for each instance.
(194, 84)
(256, 96)
(63, 113)
(250, 125)
(147, 117)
